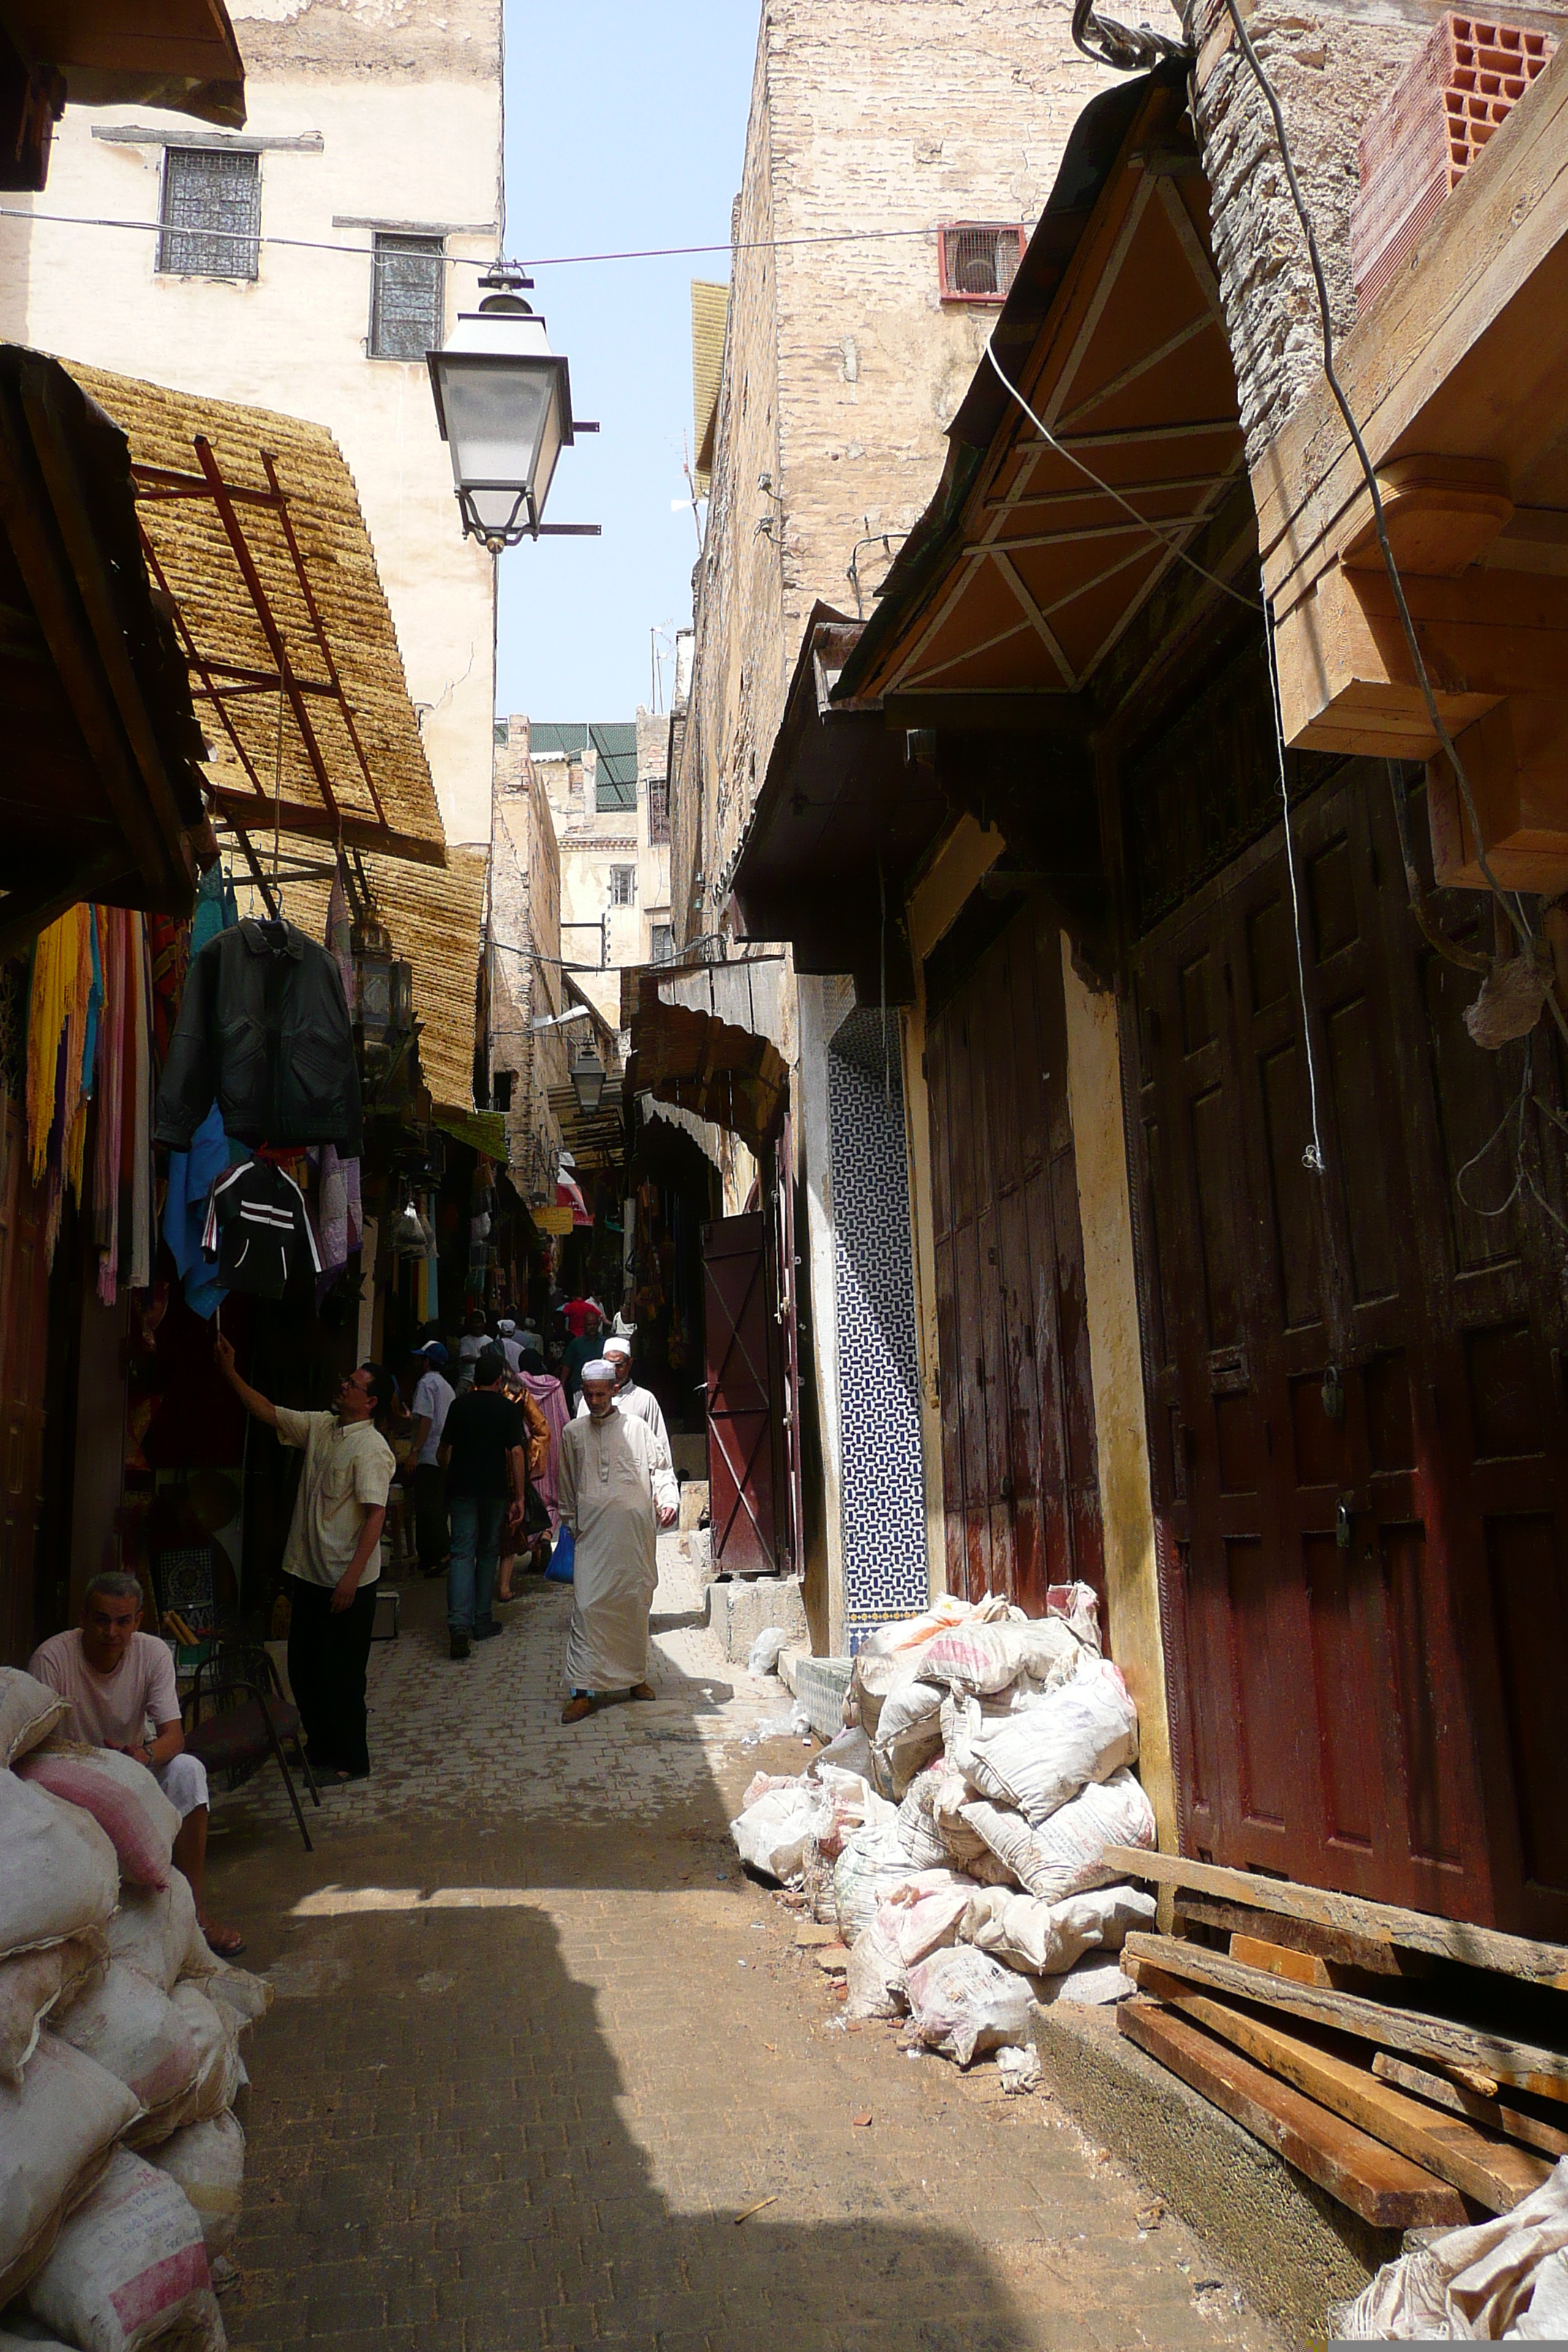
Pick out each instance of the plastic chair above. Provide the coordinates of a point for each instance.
(249, 1721)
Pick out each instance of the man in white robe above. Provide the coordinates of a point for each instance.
(631, 1398)
(616, 1488)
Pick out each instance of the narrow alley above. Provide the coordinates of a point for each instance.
(538, 2044)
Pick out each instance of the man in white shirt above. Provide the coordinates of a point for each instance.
(509, 1343)
(333, 1558)
(432, 1400)
(636, 1403)
(120, 1684)
(618, 1489)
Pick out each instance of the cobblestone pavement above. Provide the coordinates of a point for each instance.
(546, 2070)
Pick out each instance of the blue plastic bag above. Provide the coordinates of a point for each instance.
(560, 1570)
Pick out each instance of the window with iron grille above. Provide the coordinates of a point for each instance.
(623, 886)
(661, 943)
(658, 809)
(211, 213)
(979, 260)
(407, 295)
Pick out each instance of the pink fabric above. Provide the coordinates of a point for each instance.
(546, 1391)
(139, 1823)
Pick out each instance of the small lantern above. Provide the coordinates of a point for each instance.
(587, 1079)
(503, 401)
(373, 980)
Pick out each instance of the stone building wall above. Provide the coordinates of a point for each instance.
(1331, 68)
(525, 981)
(369, 117)
(843, 366)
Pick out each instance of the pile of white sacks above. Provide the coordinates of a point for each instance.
(121, 2156)
(955, 1832)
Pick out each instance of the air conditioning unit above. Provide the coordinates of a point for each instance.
(979, 260)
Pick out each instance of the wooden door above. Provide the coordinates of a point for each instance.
(742, 1481)
(784, 1296)
(1019, 1471)
(23, 1350)
(1357, 1412)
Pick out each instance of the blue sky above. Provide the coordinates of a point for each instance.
(625, 127)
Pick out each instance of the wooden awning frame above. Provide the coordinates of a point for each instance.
(1023, 575)
(220, 682)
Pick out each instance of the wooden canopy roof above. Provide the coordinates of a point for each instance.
(1025, 571)
(251, 528)
(100, 786)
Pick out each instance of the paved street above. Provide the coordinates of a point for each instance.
(538, 2043)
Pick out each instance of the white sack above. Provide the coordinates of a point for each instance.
(924, 1915)
(156, 1932)
(58, 1870)
(909, 1734)
(129, 2267)
(1093, 1982)
(875, 1977)
(918, 1841)
(240, 1997)
(1546, 2321)
(1066, 1854)
(123, 1799)
(207, 2160)
(849, 1749)
(964, 2002)
(913, 1632)
(130, 2026)
(1085, 1730)
(57, 2134)
(213, 2028)
(29, 1711)
(871, 1865)
(1047, 1939)
(845, 1802)
(34, 1985)
(979, 1658)
(772, 1834)
(762, 1658)
(1077, 1606)
(1471, 2285)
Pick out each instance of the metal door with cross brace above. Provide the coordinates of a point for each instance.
(743, 1466)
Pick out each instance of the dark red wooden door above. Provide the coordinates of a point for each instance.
(1020, 1478)
(742, 1482)
(1357, 1411)
(783, 1278)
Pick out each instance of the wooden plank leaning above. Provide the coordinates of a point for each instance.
(1419, 1931)
(1496, 2115)
(1492, 2171)
(1522, 2063)
(1374, 2182)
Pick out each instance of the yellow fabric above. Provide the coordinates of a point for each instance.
(46, 1016)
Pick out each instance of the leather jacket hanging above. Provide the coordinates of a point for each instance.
(264, 1026)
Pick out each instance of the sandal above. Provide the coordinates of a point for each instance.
(642, 1690)
(576, 1709)
(226, 1942)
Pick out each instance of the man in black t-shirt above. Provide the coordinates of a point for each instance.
(483, 1453)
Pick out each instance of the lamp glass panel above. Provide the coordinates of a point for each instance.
(495, 417)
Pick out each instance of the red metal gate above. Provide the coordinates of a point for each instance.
(1019, 1471)
(743, 1470)
(1357, 1412)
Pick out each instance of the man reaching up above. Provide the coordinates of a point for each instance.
(616, 1489)
(333, 1558)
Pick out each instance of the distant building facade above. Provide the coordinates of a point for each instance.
(306, 264)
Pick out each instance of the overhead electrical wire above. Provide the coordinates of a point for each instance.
(461, 260)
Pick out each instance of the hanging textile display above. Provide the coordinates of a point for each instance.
(264, 1025)
(340, 1215)
(110, 1105)
(192, 1172)
(140, 1123)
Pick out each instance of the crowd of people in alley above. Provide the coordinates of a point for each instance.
(509, 1467)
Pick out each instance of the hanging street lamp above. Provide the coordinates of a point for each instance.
(587, 1079)
(503, 402)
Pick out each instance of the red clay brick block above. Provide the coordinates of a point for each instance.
(1452, 97)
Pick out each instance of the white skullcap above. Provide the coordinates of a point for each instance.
(506, 1324)
(598, 1371)
(618, 1348)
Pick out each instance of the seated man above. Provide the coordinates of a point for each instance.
(120, 1684)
